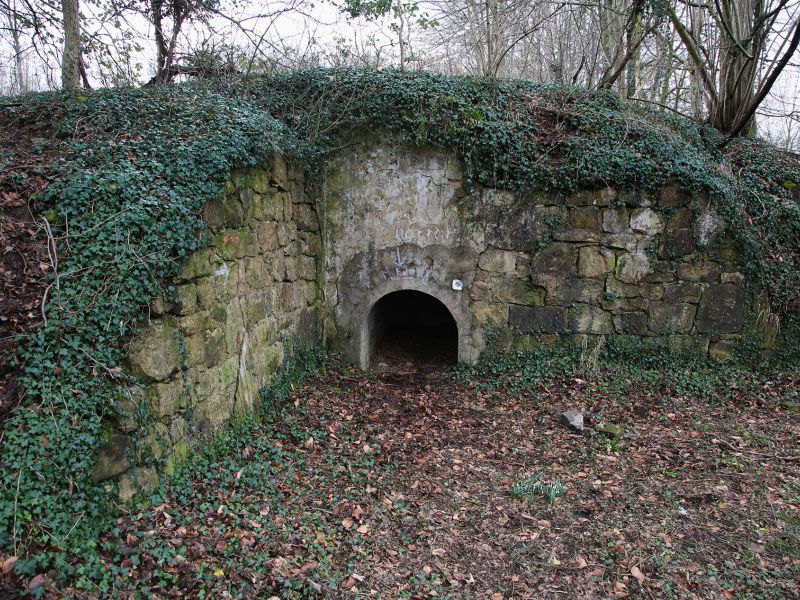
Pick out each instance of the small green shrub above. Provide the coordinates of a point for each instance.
(528, 488)
(299, 363)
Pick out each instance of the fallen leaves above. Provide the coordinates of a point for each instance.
(427, 511)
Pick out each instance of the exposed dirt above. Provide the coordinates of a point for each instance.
(409, 485)
(25, 265)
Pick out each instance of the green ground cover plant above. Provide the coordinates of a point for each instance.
(135, 168)
(131, 169)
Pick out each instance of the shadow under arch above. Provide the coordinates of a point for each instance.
(410, 325)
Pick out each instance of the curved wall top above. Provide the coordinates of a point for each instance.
(392, 223)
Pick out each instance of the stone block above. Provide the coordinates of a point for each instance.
(577, 236)
(206, 348)
(616, 220)
(198, 264)
(306, 268)
(185, 299)
(530, 224)
(236, 243)
(564, 291)
(538, 319)
(585, 217)
(581, 198)
(663, 272)
(166, 399)
(703, 270)
(498, 261)
(572, 420)
(280, 172)
(620, 305)
(707, 225)
(681, 218)
(722, 309)
(290, 268)
(556, 259)
(154, 354)
(517, 291)
(728, 253)
(605, 196)
(666, 318)
(722, 349)
(178, 430)
(267, 234)
(256, 306)
(594, 262)
(734, 277)
(621, 241)
(225, 211)
(632, 268)
(306, 217)
(287, 232)
(310, 243)
(671, 196)
(214, 290)
(678, 243)
(651, 291)
(480, 290)
(631, 323)
(647, 221)
(585, 318)
(489, 313)
(688, 293)
(634, 198)
(137, 481)
(112, 459)
(618, 289)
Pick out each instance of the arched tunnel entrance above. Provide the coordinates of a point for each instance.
(413, 327)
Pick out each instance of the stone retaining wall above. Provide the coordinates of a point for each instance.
(659, 267)
(208, 349)
(656, 266)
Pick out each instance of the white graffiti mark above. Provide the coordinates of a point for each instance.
(224, 272)
(400, 270)
(398, 262)
(426, 235)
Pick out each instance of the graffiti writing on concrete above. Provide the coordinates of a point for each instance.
(402, 269)
(431, 234)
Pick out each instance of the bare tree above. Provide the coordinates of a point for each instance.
(71, 56)
(752, 41)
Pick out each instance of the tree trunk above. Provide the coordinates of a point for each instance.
(71, 58)
(739, 56)
(20, 85)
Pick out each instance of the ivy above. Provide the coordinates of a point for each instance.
(136, 166)
(524, 136)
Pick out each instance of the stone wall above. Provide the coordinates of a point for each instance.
(596, 262)
(658, 267)
(206, 350)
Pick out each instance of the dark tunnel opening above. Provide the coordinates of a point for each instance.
(412, 328)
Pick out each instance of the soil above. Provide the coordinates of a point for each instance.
(25, 266)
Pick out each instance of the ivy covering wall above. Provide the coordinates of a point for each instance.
(134, 168)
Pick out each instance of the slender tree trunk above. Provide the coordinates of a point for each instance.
(740, 52)
(401, 34)
(696, 84)
(71, 58)
(20, 85)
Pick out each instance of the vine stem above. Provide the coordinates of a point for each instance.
(52, 254)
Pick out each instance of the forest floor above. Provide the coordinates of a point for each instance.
(416, 484)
